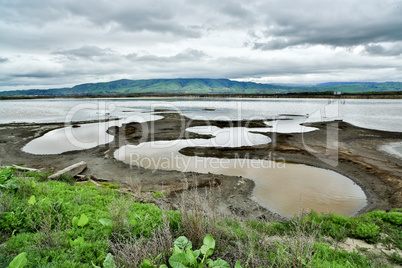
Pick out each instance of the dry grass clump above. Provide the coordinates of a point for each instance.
(296, 247)
(131, 250)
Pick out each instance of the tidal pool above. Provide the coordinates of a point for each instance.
(81, 136)
(282, 187)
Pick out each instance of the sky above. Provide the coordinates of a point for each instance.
(62, 43)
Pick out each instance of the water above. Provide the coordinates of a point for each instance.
(67, 139)
(394, 149)
(281, 187)
(80, 137)
(374, 114)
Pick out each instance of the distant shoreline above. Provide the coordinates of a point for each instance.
(379, 95)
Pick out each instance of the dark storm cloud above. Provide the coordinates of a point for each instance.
(380, 50)
(36, 75)
(85, 52)
(336, 23)
(146, 15)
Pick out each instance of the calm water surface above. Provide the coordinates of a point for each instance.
(374, 114)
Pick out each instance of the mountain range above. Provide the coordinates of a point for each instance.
(201, 86)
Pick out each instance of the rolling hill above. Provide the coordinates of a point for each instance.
(200, 86)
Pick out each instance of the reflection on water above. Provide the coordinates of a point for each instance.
(280, 187)
(231, 137)
(85, 136)
(393, 148)
(291, 125)
(374, 114)
(70, 138)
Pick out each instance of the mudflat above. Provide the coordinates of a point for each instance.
(353, 153)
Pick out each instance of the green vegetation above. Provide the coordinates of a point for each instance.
(64, 224)
(202, 86)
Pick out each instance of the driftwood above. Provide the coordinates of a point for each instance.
(95, 178)
(72, 170)
(95, 183)
(20, 168)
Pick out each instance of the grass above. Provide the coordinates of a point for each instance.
(63, 224)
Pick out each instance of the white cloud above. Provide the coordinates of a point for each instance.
(58, 42)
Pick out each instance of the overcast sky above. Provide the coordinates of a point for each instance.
(57, 43)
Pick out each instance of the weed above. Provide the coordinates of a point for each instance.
(297, 248)
(131, 250)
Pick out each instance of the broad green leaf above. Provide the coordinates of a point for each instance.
(196, 253)
(19, 261)
(12, 184)
(109, 261)
(191, 258)
(183, 243)
(32, 200)
(209, 241)
(209, 262)
(206, 251)
(209, 246)
(83, 220)
(106, 222)
(75, 221)
(163, 266)
(77, 241)
(180, 260)
(238, 265)
(219, 263)
(176, 250)
(146, 264)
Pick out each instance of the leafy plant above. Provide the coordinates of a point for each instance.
(5, 175)
(184, 256)
(108, 262)
(158, 195)
(106, 222)
(80, 222)
(367, 231)
(32, 200)
(76, 242)
(394, 218)
(19, 261)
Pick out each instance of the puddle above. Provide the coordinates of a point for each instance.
(293, 125)
(394, 149)
(71, 138)
(231, 137)
(79, 137)
(280, 187)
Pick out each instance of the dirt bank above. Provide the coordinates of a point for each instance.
(378, 173)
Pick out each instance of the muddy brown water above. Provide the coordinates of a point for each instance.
(281, 187)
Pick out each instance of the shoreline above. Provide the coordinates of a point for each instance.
(375, 95)
(377, 173)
